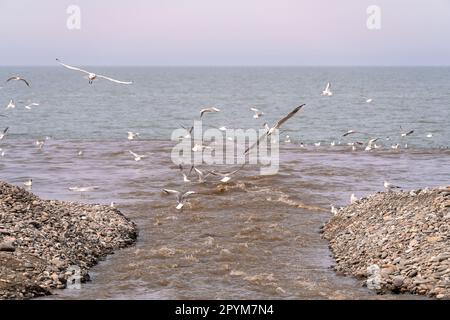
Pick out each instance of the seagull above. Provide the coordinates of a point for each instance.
(371, 144)
(3, 134)
(389, 186)
(199, 147)
(327, 91)
(332, 143)
(11, 104)
(334, 210)
(2, 152)
(40, 143)
(317, 144)
(277, 125)
(185, 177)
(83, 189)
(28, 183)
(92, 76)
(404, 134)
(137, 157)
(113, 204)
(28, 106)
(226, 176)
(132, 135)
(201, 175)
(430, 135)
(205, 110)
(181, 197)
(395, 146)
(80, 153)
(258, 113)
(18, 78)
(353, 198)
(287, 139)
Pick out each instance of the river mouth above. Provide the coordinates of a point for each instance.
(256, 237)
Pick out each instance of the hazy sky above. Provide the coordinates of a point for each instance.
(225, 32)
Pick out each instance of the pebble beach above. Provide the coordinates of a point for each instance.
(395, 241)
(43, 242)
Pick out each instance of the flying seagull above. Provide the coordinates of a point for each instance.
(258, 113)
(205, 110)
(181, 197)
(185, 176)
(137, 157)
(92, 76)
(201, 175)
(11, 104)
(28, 106)
(3, 134)
(404, 134)
(277, 125)
(18, 78)
(225, 177)
(327, 91)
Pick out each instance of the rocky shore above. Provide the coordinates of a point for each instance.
(396, 241)
(51, 244)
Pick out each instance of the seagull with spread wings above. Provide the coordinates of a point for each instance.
(18, 78)
(92, 76)
(277, 125)
(181, 197)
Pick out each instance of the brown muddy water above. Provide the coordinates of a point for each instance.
(256, 237)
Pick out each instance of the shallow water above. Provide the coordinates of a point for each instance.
(255, 237)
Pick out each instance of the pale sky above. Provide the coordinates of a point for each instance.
(225, 32)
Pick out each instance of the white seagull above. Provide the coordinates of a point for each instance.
(92, 76)
(389, 186)
(353, 198)
(334, 210)
(132, 135)
(28, 106)
(11, 104)
(206, 110)
(327, 91)
(185, 176)
(18, 78)
(258, 113)
(137, 157)
(28, 183)
(277, 125)
(201, 175)
(404, 134)
(3, 134)
(225, 177)
(83, 189)
(39, 143)
(181, 197)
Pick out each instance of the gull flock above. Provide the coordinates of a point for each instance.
(365, 141)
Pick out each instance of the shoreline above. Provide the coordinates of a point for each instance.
(43, 243)
(397, 242)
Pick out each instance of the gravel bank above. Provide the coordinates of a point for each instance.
(396, 241)
(44, 243)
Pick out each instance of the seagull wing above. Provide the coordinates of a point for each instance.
(134, 154)
(171, 191)
(26, 82)
(72, 68)
(6, 130)
(288, 116)
(328, 87)
(187, 194)
(114, 80)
